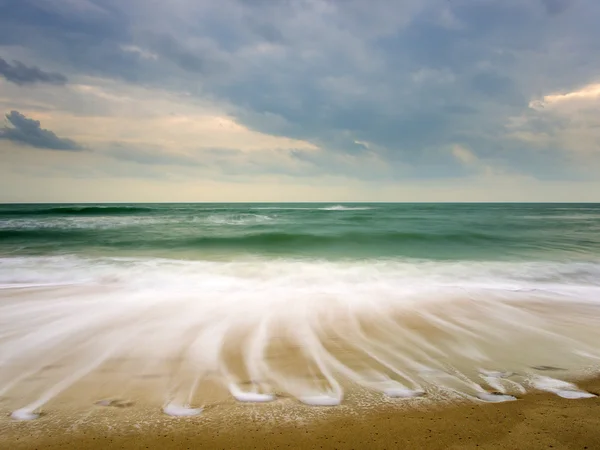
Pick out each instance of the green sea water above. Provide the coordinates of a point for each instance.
(429, 299)
(421, 231)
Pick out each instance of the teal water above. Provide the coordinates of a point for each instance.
(400, 299)
(422, 231)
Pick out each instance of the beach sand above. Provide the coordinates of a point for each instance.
(91, 399)
(535, 421)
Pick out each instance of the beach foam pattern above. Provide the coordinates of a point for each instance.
(407, 329)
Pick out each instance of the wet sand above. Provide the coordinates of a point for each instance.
(104, 386)
(535, 421)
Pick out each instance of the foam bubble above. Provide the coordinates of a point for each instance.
(550, 384)
(561, 388)
(250, 397)
(400, 392)
(574, 394)
(24, 414)
(181, 411)
(495, 398)
(321, 400)
(253, 397)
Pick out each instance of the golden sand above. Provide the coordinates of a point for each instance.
(536, 421)
(117, 402)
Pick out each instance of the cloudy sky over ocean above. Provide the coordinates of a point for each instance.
(307, 100)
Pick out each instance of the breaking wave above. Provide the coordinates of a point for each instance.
(265, 327)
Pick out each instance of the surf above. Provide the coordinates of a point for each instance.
(310, 329)
(74, 210)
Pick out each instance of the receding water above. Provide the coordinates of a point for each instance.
(304, 300)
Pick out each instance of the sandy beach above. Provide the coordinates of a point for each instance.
(312, 326)
(534, 421)
(131, 398)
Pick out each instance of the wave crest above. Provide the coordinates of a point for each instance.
(76, 211)
(302, 329)
(345, 208)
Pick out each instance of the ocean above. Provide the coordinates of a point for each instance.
(407, 300)
(402, 232)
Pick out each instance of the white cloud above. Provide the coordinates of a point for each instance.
(365, 144)
(568, 121)
(464, 155)
(139, 116)
(568, 100)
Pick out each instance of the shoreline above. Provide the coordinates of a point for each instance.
(536, 420)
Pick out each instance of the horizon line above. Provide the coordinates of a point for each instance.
(299, 202)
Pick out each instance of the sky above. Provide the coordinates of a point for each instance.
(299, 100)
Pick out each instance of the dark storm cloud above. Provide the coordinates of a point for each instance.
(18, 73)
(29, 132)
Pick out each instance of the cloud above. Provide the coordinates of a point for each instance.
(380, 90)
(576, 97)
(29, 132)
(20, 74)
(464, 155)
(150, 156)
(556, 6)
(567, 120)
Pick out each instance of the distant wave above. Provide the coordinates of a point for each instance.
(238, 219)
(345, 208)
(272, 240)
(116, 210)
(593, 217)
(280, 240)
(76, 211)
(315, 208)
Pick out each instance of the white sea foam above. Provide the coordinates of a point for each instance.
(412, 325)
(496, 398)
(561, 388)
(237, 219)
(181, 411)
(346, 208)
(84, 222)
(33, 285)
(251, 397)
(24, 414)
(321, 400)
(316, 208)
(403, 392)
